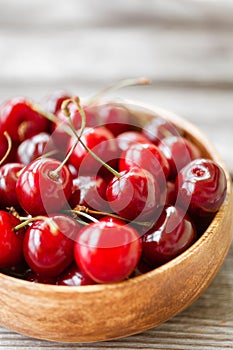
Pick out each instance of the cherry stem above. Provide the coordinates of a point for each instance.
(66, 111)
(53, 226)
(119, 85)
(82, 214)
(9, 147)
(82, 208)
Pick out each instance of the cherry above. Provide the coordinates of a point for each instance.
(11, 241)
(41, 189)
(148, 157)
(49, 251)
(89, 191)
(135, 194)
(99, 140)
(114, 117)
(170, 193)
(107, 252)
(18, 118)
(128, 137)
(8, 177)
(34, 147)
(11, 157)
(73, 276)
(172, 234)
(201, 187)
(33, 277)
(157, 129)
(141, 268)
(179, 152)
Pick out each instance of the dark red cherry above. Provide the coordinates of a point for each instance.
(107, 252)
(128, 137)
(201, 187)
(114, 117)
(33, 277)
(146, 156)
(172, 234)
(11, 241)
(89, 191)
(141, 268)
(157, 129)
(48, 250)
(135, 195)
(170, 193)
(73, 276)
(18, 118)
(3, 149)
(9, 174)
(102, 142)
(34, 147)
(179, 152)
(39, 191)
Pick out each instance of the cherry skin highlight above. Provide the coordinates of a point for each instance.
(107, 252)
(201, 186)
(48, 253)
(73, 276)
(172, 234)
(38, 191)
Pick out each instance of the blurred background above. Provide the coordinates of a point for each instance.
(184, 46)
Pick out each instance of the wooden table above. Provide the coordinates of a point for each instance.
(186, 48)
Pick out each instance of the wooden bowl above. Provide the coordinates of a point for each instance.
(103, 312)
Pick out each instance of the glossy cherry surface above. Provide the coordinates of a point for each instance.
(89, 191)
(9, 174)
(107, 252)
(128, 137)
(49, 252)
(135, 195)
(146, 156)
(115, 118)
(102, 142)
(73, 276)
(38, 191)
(157, 129)
(34, 147)
(179, 152)
(172, 234)
(201, 187)
(19, 119)
(11, 241)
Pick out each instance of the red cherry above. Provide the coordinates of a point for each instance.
(146, 156)
(135, 195)
(3, 149)
(40, 192)
(115, 118)
(102, 142)
(73, 276)
(127, 138)
(170, 193)
(49, 253)
(157, 129)
(9, 174)
(89, 191)
(33, 277)
(179, 152)
(201, 187)
(20, 121)
(34, 147)
(113, 220)
(172, 234)
(11, 242)
(107, 252)
(54, 101)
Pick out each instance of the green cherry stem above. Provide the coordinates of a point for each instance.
(119, 85)
(53, 226)
(9, 147)
(66, 111)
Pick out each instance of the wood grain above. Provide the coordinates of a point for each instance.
(186, 47)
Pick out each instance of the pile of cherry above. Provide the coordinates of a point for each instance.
(86, 197)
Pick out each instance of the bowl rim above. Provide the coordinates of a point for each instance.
(177, 120)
